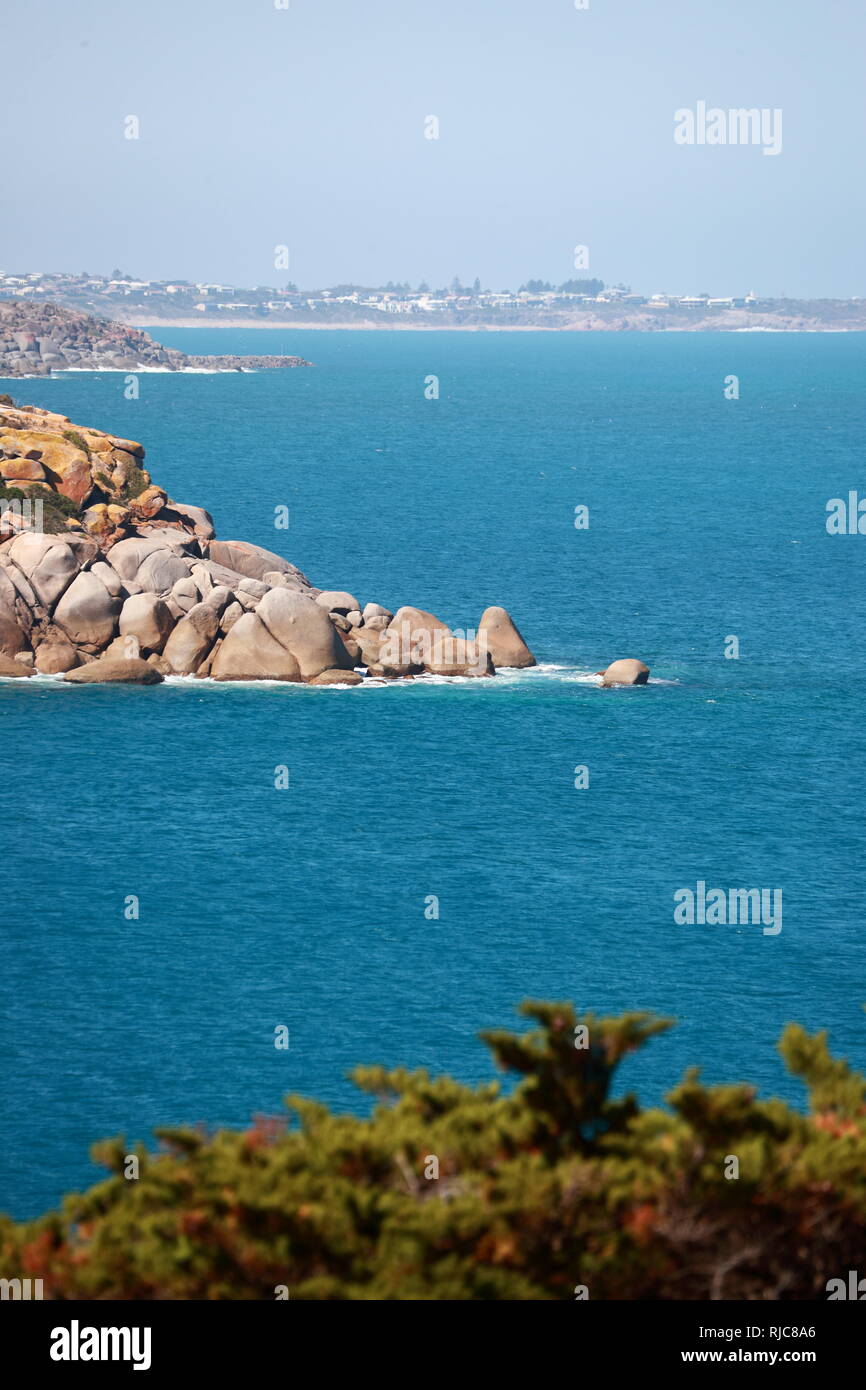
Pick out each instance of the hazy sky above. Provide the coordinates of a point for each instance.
(305, 127)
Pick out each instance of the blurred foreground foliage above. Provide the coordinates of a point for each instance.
(551, 1187)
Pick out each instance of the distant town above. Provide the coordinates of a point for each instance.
(577, 303)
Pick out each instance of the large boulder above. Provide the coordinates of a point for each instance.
(192, 639)
(375, 616)
(627, 671)
(498, 634)
(146, 617)
(10, 667)
(161, 570)
(411, 637)
(114, 671)
(67, 463)
(368, 640)
(454, 656)
(305, 630)
(196, 517)
(22, 470)
(185, 594)
(54, 657)
(250, 653)
(109, 577)
(87, 612)
(20, 583)
(126, 557)
(337, 678)
(252, 561)
(127, 646)
(230, 616)
(178, 541)
(154, 564)
(50, 563)
(13, 638)
(337, 601)
(219, 598)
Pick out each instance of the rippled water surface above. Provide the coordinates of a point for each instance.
(306, 906)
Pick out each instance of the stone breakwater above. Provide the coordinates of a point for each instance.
(104, 577)
(38, 339)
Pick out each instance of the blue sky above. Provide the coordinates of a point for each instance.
(305, 127)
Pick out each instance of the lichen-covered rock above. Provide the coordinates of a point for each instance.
(22, 470)
(105, 521)
(122, 572)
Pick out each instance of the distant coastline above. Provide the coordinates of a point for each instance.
(585, 305)
(715, 326)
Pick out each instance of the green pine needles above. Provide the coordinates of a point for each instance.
(449, 1192)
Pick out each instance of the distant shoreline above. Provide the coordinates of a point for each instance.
(297, 325)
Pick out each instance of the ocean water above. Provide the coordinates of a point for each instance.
(306, 907)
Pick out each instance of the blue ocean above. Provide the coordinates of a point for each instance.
(309, 906)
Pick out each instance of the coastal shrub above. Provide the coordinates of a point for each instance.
(55, 507)
(136, 482)
(78, 440)
(550, 1190)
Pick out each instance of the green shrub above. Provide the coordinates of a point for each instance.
(136, 481)
(550, 1188)
(78, 440)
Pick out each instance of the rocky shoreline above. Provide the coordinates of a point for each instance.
(38, 339)
(105, 578)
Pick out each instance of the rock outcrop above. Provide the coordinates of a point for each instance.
(38, 339)
(104, 577)
(116, 671)
(502, 640)
(628, 671)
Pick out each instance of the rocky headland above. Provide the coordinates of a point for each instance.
(104, 577)
(38, 339)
